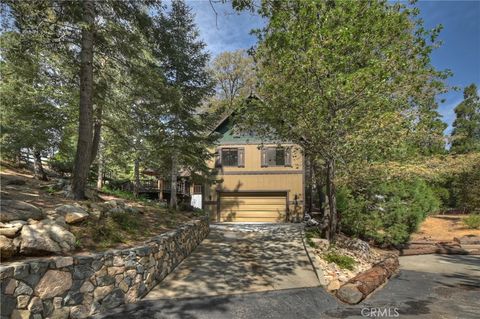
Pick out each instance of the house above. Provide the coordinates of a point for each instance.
(257, 180)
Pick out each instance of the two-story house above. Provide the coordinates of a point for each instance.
(258, 181)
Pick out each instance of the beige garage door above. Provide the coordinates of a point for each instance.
(253, 207)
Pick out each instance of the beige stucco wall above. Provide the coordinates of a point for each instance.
(254, 177)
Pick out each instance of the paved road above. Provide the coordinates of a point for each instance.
(241, 258)
(431, 286)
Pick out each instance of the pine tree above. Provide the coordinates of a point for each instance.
(466, 127)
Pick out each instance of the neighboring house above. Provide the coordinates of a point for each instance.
(258, 181)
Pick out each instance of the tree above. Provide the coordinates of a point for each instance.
(32, 117)
(466, 127)
(184, 60)
(235, 76)
(342, 80)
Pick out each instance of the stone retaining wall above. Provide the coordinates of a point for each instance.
(79, 286)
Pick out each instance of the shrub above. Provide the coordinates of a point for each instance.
(344, 262)
(388, 211)
(127, 221)
(312, 233)
(472, 221)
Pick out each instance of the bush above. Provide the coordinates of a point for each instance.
(127, 221)
(472, 221)
(344, 262)
(386, 212)
(312, 233)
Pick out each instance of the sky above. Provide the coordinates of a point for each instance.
(460, 52)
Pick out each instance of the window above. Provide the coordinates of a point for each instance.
(197, 189)
(276, 156)
(231, 157)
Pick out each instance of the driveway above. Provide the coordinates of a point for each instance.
(428, 287)
(241, 258)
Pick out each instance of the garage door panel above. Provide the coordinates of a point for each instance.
(253, 207)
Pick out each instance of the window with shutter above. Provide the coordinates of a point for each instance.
(275, 156)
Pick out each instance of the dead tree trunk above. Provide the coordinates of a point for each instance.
(100, 170)
(174, 173)
(85, 125)
(136, 172)
(39, 172)
(332, 200)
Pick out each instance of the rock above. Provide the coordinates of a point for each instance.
(87, 287)
(350, 294)
(46, 236)
(61, 313)
(35, 305)
(79, 312)
(22, 301)
(11, 286)
(53, 283)
(18, 210)
(7, 248)
(100, 292)
(114, 299)
(72, 214)
(115, 270)
(8, 304)
(57, 302)
(10, 230)
(333, 285)
(22, 289)
(63, 262)
(20, 314)
(468, 240)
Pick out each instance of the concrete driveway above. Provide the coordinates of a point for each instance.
(241, 258)
(428, 287)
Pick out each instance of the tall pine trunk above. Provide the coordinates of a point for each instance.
(174, 173)
(38, 167)
(97, 130)
(85, 125)
(136, 176)
(100, 170)
(332, 200)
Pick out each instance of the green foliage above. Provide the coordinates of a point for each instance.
(312, 233)
(127, 221)
(466, 127)
(342, 261)
(465, 190)
(386, 211)
(472, 221)
(123, 194)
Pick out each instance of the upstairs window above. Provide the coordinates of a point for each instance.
(276, 156)
(231, 157)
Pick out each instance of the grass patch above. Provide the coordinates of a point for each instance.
(310, 234)
(342, 261)
(472, 221)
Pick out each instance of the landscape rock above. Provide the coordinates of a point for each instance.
(7, 248)
(46, 236)
(72, 214)
(35, 305)
(350, 294)
(22, 301)
(23, 289)
(468, 240)
(10, 230)
(18, 210)
(20, 314)
(53, 283)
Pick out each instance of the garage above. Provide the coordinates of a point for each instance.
(253, 207)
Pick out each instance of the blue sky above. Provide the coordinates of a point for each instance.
(460, 51)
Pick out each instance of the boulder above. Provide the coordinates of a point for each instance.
(72, 218)
(18, 210)
(44, 237)
(10, 229)
(72, 214)
(7, 248)
(14, 181)
(53, 283)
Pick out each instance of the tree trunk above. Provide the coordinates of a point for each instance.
(85, 126)
(332, 201)
(100, 170)
(38, 167)
(136, 172)
(173, 192)
(97, 129)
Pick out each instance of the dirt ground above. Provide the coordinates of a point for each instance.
(443, 228)
(153, 219)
